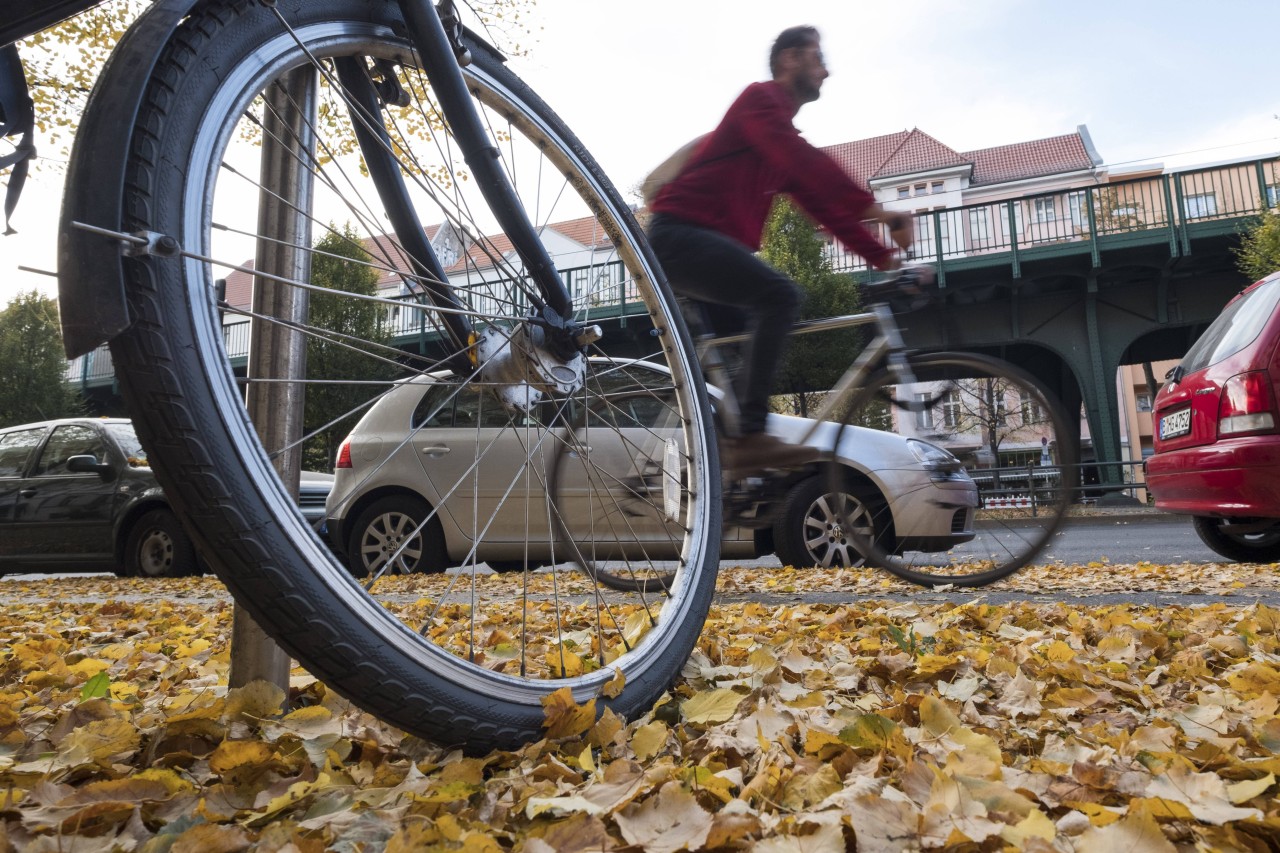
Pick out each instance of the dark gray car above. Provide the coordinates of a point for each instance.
(78, 495)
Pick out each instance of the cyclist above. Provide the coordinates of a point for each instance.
(708, 221)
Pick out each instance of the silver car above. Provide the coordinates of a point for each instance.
(434, 477)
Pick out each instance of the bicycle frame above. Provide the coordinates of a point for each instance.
(90, 276)
(887, 348)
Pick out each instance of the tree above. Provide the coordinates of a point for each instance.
(813, 363)
(33, 368)
(1259, 252)
(990, 410)
(63, 62)
(334, 406)
(1118, 209)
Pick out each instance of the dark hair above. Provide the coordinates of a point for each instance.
(802, 36)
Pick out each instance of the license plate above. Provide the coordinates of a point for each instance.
(1175, 424)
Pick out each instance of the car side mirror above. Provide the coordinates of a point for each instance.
(89, 464)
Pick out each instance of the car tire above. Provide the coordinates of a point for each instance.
(806, 533)
(382, 528)
(158, 547)
(1260, 547)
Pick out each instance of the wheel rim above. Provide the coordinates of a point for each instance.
(829, 527)
(155, 553)
(392, 536)
(616, 632)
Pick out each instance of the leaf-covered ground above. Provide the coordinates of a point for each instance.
(881, 724)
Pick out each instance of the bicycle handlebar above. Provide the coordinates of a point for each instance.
(913, 283)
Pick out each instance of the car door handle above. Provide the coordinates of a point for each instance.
(27, 493)
(435, 449)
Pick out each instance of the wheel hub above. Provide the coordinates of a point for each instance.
(523, 369)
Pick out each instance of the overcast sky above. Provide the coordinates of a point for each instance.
(1175, 81)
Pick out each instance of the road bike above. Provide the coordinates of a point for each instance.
(326, 176)
(927, 516)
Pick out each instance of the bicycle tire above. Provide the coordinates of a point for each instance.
(967, 527)
(438, 670)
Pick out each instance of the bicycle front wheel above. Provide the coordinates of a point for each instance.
(248, 151)
(989, 484)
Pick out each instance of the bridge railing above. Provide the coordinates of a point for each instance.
(603, 287)
(1168, 203)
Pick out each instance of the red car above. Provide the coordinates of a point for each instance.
(1217, 430)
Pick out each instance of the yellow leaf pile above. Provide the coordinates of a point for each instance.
(869, 725)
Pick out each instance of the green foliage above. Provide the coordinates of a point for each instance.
(62, 63)
(340, 405)
(97, 687)
(909, 642)
(813, 362)
(1259, 252)
(33, 366)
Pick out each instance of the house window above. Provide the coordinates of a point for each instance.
(904, 192)
(998, 407)
(921, 189)
(1017, 216)
(1044, 210)
(979, 227)
(952, 409)
(936, 186)
(1201, 205)
(1030, 408)
(1076, 208)
(924, 417)
(1142, 402)
(1273, 194)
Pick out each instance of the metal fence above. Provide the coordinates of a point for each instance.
(1164, 202)
(1027, 486)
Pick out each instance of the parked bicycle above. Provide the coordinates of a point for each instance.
(224, 139)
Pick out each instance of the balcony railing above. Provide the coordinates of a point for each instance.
(1094, 215)
(601, 287)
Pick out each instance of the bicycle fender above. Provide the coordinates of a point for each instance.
(91, 297)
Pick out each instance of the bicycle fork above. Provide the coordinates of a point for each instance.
(437, 34)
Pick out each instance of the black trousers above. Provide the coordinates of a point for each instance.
(748, 295)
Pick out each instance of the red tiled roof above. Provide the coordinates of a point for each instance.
(1051, 156)
(914, 151)
(919, 152)
(862, 158)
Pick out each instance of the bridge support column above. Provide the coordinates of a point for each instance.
(1100, 398)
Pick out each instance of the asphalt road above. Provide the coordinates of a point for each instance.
(1119, 538)
(1149, 537)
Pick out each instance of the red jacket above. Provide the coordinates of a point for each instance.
(730, 181)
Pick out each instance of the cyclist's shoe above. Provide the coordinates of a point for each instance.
(758, 451)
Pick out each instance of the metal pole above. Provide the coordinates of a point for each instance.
(276, 408)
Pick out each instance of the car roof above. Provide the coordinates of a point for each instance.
(61, 421)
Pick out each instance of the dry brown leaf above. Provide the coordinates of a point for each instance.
(669, 821)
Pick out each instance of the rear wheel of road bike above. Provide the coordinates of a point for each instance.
(463, 656)
(968, 410)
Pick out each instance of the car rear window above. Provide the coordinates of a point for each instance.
(1237, 326)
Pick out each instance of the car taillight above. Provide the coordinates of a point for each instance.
(1247, 404)
(344, 454)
